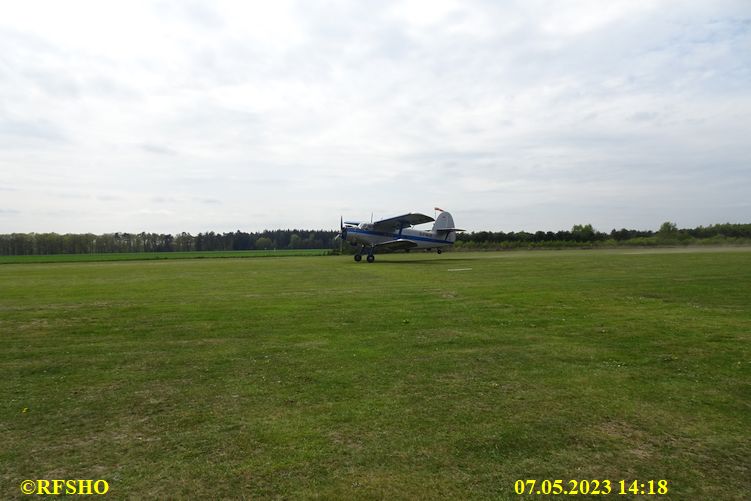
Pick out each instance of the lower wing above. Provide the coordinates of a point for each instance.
(398, 244)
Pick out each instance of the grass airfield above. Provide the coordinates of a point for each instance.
(316, 377)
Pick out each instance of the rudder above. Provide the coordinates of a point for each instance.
(444, 222)
(445, 228)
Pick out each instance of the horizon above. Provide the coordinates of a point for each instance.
(310, 230)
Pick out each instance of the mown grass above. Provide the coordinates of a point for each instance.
(318, 377)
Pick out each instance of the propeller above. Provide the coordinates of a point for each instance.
(342, 236)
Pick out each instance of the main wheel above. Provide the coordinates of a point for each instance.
(438, 251)
(358, 257)
(371, 258)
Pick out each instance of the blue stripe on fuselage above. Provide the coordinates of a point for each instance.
(396, 236)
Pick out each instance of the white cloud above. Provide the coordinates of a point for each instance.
(528, 115)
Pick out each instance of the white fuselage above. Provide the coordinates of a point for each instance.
(364, 234)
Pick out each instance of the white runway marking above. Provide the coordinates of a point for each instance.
(459, 269)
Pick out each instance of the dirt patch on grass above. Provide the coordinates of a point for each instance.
(637, 442)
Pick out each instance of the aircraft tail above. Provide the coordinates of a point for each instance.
(445, 228)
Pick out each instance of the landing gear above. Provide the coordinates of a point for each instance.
(370, 257)
(438, 251)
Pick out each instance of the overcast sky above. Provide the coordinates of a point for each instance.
(528, 115)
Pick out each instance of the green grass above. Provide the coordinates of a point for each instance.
(146, 256)
(310, 377)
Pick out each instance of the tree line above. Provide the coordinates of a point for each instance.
(17, 244)
(587, 236)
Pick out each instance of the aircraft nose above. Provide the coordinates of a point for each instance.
(342, 229)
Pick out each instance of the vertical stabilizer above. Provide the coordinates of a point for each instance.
(444, 222)
(444, 227)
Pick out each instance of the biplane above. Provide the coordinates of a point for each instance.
(397, 234)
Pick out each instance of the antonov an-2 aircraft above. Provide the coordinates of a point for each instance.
(396, 233)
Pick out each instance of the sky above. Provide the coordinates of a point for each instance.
(171, 116)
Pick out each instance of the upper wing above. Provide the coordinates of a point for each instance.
(398, 244)
(403, 221)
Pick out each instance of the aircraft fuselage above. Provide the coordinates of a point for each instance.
(365, 235)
